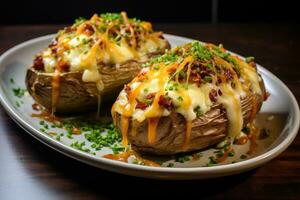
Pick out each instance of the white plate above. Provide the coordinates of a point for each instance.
(14, 62)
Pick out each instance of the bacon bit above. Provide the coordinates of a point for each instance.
(166, 102)
(196, 79)
(204, 70)
(38, 63)
(88, 29)
(213, 95)
(151, 95)
(228, 75)
(63, 66)
(127, 89)
(36, 107)
(53, 46)
(53, 43)
(76, 131)
(219, 79)
(220, 92)
(54, 50)
(141, 105)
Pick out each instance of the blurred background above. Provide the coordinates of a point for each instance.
(204, 11)
(267, 30)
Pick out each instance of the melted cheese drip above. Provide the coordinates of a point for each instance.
(187, 135)
(152, 126)
(83, 46)
(231, 101)
(191, 96)
(124, 129)
(89, 64)
(251, 77)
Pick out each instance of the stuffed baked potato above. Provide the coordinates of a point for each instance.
(91, 60)
(191, 97)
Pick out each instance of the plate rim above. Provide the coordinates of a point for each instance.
(106, 163)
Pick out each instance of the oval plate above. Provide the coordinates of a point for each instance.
(13, 65)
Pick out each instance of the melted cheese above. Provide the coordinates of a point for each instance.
(189, 96)
(86, 47)
(119, 53)
(49, 61)
(124, 129)
(187, 134)
(78, 40)
(252, 76)
(192, 97)
(152, 126)
(231, 101)
(91, 72)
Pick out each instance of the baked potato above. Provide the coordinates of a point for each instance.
(91, 61)
(193, 96)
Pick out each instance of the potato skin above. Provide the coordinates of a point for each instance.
(77, 96)
(207, 130)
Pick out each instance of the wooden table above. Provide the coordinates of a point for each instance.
(30, 170)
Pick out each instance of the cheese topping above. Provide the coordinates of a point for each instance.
(189, 80)
(107, 39)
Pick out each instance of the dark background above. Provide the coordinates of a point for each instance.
(267, 30)
(205, 11)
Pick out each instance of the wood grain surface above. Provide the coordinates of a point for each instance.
(31, 170)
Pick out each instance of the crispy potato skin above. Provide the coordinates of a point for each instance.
(77, 96)
(207, 130)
